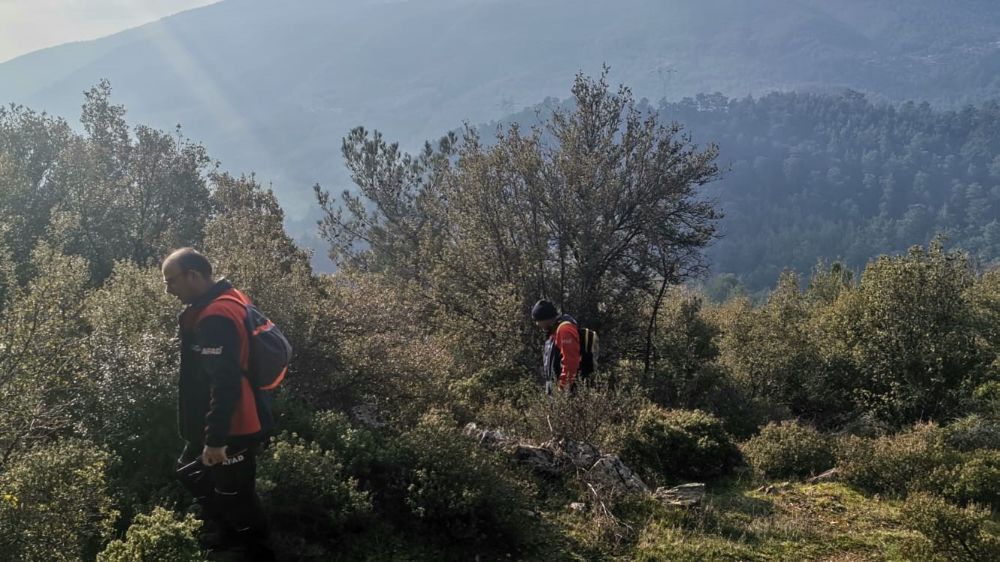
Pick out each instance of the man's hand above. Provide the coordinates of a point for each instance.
(213, 455)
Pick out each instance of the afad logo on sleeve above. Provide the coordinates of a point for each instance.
(207, 350)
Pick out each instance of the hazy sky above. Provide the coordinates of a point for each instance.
(28, 25)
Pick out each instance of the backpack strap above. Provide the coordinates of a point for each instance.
(277, 380)
(246, 324)
(231, 298)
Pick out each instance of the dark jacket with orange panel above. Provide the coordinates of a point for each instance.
(561, 361)
(216, 403)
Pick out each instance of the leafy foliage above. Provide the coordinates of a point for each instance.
(973, 432)
(461, 493)
(595, 209)
(910, 336)
(55, 502)
(910, 460)
(950, 533)
(788, 448)
(159, 536)
(667, 445)
(425, 328)
(125, 197)
(306, 491)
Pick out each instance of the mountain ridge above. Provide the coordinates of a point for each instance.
(272, 88)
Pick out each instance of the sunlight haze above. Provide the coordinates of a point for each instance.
(29, 25)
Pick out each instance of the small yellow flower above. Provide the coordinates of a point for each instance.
(11, 499)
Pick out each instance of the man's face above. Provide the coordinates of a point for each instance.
(183, 284)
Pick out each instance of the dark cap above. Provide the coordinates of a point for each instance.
(544, 310)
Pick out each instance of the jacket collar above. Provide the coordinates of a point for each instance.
(221, 286)
(562, 318)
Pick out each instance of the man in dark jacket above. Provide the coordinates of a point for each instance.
(561, 358)
(220, 416)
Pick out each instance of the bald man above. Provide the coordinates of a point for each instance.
(220, 416)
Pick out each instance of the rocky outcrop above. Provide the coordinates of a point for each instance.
(606, 474)
(610, 475)
(539, 459)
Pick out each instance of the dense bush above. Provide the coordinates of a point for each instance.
(788, 448)
(975, 479)
(684, 345)
(911, 460)
(986, 397)
(909, 332)
(159, 536)
(667, 445)
(55, 503)
(305, 490)
(593, 414)
(921, 460)
(973, 432)
(950, 533)
(373, 457)
(461, 493)
(131, 396)
(770, 351)
(383, 353)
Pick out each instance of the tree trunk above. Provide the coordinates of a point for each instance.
(652, 325)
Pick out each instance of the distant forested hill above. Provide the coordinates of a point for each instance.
(839, 177)
(843, 178)
(273, 86)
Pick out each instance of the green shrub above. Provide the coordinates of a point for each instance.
(665, 445)
(594, 414)
(911, 460)
(986, 397)
(158, 537)
(291, 413)
(908, 329)
(462, 493)
(305, 489)
(131, 399)
(788, 449)
(685, 345)
(973, 432)
(975, 479)
(54, 502)
(949, 533)
(367, 454)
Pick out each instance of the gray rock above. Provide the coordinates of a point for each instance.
(582, 455)
(606, 474)
(492, 439)
(539, 459)
(609, 474)
(685, 495)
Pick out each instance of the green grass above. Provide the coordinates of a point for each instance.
(828, 522)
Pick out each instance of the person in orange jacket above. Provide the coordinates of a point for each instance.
(221, 419)
(561, 358)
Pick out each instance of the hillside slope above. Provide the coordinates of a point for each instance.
(272, 87)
